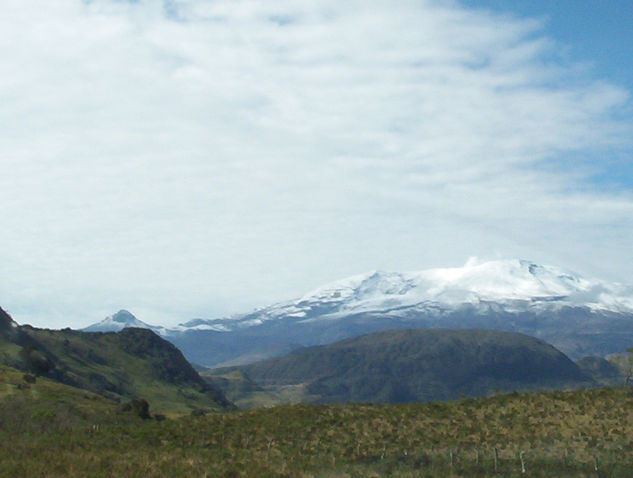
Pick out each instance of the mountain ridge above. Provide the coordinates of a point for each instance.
(578, 315)
(516, 284)
(129, 364)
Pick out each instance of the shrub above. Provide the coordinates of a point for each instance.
(138, 406)
(34, 360)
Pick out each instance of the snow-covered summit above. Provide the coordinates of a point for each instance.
(515, 285)
(512, 286)
(475, 282)
(580, 315)
(119, 321)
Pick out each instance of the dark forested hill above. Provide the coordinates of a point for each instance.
(420, 365)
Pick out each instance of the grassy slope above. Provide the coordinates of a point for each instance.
(560, 434)
(40, 407)
(135, 363)
(46, 402)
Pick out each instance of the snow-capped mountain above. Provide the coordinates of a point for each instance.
(522, 283)
(579, 315)
(121, 320)
(513, 285)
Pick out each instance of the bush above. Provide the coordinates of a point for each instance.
(34, 360)
(138, 406)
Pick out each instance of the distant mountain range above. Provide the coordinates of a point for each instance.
(580, 316)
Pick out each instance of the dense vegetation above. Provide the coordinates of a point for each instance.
(135, 363)
(401, 366)
(48, 429)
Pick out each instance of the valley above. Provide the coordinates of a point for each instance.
(316, 239)
(354, 390)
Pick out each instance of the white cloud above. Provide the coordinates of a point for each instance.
(194, 158)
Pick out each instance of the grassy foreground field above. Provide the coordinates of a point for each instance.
(49, 429)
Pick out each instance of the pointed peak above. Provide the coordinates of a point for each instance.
(118, 321)
(123, 316)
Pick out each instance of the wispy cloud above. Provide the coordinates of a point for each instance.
(193, 158)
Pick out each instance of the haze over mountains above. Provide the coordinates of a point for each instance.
(580, 316)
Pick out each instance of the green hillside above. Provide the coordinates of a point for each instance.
(32, 403)
(134, 363)
(402, 366)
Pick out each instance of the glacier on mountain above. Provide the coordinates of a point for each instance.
(507, 285)
(514, 285)
(580, 316)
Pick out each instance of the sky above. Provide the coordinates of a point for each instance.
(200, 158)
